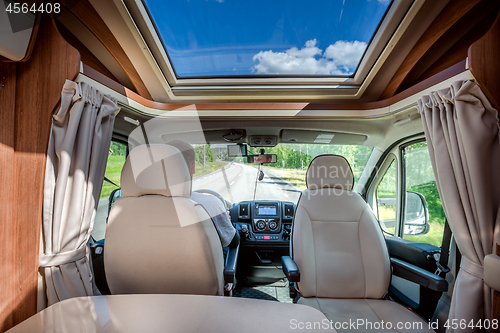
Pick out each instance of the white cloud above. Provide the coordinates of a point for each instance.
(337, 59)
(384, 2)
(346, 54)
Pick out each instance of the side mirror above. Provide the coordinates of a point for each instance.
(416, 215)
(261, 175)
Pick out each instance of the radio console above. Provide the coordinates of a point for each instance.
(266, 217)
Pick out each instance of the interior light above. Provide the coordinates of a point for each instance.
(324, 138)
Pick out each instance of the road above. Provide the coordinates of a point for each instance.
(236, 182)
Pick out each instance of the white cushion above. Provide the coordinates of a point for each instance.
(149, 251)
(156, 169)
(329, 171)
(338, 246)
(368, 314)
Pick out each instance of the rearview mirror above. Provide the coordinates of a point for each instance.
(259, 159)
(416, 215)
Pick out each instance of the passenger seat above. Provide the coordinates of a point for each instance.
(341, 254)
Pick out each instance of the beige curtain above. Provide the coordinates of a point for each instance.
(76, 160)
(462, 131)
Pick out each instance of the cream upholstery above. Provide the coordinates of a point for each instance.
(329, 171)
(157, 239)
(368, 314)
(336, 240)
(174, 313)
(155, 169)
(339, 249)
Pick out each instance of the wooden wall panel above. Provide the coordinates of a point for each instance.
(24, 139)
(84, 11)
(7, 105)
(86, 55)
(453, 12)
(484, 64)
(458, 52)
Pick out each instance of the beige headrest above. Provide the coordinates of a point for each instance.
(329, 171)
(156, 169)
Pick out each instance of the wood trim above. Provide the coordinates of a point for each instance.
(453, 11)
(484, 65)
(32, 95)
(86, 55)
(458, 52)
(84, 11)
(444, 75)
(103, 79)
(7, 230)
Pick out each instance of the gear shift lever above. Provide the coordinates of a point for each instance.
(244, 230)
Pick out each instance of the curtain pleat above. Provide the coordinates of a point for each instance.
(462, 132)
(76, 161)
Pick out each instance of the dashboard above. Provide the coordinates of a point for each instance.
(264, 221)
(265, 228)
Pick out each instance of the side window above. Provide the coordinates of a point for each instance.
(114, 166)
(424, 217)
(386, 200)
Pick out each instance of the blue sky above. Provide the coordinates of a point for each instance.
(229, 37)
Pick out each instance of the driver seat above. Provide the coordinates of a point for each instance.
(158, 241)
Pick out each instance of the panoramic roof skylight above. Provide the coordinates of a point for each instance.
(261, 38)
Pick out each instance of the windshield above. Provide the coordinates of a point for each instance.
(235, 179)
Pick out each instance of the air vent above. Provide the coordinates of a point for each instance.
(288, 211)
(243, 210)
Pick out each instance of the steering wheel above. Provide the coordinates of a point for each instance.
(226, 203)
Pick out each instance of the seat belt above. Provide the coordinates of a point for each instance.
(109, 181)
(442, 263)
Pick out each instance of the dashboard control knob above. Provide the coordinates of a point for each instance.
(273, 225)
(260, 225)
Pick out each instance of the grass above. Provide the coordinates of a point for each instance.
(296, 179)
(282, 169)
(113, 173)
(434, 236)
(387, 213)
(209, 167)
